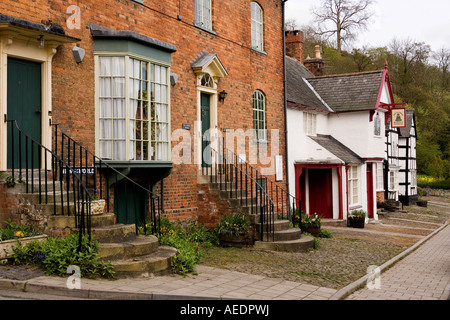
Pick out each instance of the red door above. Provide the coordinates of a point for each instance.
(369, 191)
(320, 193)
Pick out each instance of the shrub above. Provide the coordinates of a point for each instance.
(324, 233)
(233, 224)
(56, 254)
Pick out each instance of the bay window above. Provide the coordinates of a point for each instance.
(133, 108)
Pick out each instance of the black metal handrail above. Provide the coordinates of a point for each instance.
(242, 180)
(75, 188)
(81, 158)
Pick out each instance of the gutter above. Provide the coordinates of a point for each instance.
(285, 97)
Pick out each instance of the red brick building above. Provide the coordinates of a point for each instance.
(130, 80)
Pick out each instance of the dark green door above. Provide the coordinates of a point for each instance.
(24, 105)
(206, 122)
(130, 204)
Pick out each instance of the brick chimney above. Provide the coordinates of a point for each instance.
(317, 64)
(294, 44)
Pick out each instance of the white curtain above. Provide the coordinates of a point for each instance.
(112, 108)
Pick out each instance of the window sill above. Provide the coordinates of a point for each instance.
(259, 51)
(206, 30)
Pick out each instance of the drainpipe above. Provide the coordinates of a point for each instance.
(285, 98)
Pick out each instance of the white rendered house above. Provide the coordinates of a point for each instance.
(337, 140)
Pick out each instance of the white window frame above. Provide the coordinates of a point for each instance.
(310, 123)
(203, 14)
(157, 144)
(257, 26)
(353, 185)
(259, 116)
(380, 176)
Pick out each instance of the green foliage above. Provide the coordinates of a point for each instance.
(424, 182)
(189, 253)
(324, 233)
(357, 214)
(14, 231)
(233, 224)
(56, 254)
(187, 241)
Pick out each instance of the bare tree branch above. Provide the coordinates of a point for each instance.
(343, 18)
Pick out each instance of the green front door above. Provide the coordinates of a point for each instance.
(206, 123)
(24, 106)
(130, 203)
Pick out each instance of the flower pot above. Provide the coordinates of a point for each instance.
(97, 207)
(357, 222)
(237, 241)
(313, 230)
(422, 203)
(7, 246)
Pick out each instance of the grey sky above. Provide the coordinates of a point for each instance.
(421, 21)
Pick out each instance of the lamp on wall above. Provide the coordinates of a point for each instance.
(41, 41)
(222, 95)
(78, 54)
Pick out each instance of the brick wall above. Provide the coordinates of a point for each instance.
(73, 84)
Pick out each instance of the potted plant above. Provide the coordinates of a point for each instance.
(357, 219)
(310, 224)
(233, 231)
(97, 204)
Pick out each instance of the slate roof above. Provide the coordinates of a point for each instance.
(338, 149)
(406, 132)
(299, 92)
(349, 92)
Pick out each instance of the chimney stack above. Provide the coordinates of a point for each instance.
(294, 44)
(317, 64)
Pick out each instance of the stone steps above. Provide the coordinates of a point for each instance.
(281, 238)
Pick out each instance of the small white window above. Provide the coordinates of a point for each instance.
(203, 16)
(257, 26)
(380, 176)
(353, 183)
(377, 125)
(259, 116)
(310, 123)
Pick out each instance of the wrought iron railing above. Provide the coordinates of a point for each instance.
(39, 168)
(253, 190)
(99, 175)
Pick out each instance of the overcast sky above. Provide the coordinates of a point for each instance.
(422, 21)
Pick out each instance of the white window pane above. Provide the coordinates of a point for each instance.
(118, 66)
(105, 66)
(119, 129)
(119, 150)
(105, 87)
(105, 108)
(119, 108)
(106, 149)
(106, 129)
(157, 74)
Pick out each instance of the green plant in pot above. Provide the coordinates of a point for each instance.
(233, 230)
(310, 224)
(357, 219)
